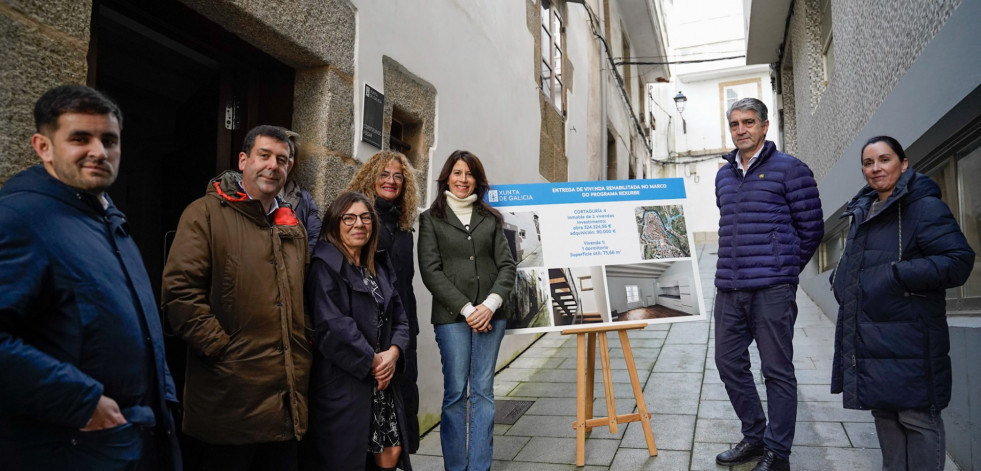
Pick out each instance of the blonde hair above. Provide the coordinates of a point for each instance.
(364, 182)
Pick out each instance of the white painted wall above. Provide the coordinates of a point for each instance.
(695, 34)
(479, 56)
(486, 102)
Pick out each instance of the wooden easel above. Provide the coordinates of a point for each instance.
(585, 374)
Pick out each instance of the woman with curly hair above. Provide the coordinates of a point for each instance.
(389, 182)
(466, 263)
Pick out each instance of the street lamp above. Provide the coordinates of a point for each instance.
(679, 102)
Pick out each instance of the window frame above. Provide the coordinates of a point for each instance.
(947, 159)
(636, 293)
(827, 42)
(723, 87)
(551, 29)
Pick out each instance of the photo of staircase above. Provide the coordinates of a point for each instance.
(567, 305)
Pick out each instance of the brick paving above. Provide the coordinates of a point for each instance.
(691, 416)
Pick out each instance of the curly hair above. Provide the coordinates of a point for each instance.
(364, 182)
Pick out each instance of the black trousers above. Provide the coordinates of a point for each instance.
(767, 316)
(410, 396)
(272, 456)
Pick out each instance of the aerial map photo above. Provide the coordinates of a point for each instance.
(663, 233)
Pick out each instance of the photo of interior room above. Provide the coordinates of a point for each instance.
(653, 290)
(578, 296)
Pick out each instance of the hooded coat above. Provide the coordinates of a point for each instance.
(344, 314)
(78, 320)
(891, 339)
(233, 291)
(770, 220)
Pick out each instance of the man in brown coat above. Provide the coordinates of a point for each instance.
(233, 291)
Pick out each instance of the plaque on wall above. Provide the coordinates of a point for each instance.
(372, 116)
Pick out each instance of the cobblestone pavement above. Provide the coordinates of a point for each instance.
(691, 416)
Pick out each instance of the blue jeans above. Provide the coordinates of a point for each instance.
(468, 358)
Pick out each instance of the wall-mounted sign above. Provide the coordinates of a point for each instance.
(372, 115)
(598, 253)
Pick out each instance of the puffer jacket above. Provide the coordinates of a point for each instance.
(233, 290)
(891, 339)
(771, 221)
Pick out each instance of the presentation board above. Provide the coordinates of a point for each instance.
(590, 253)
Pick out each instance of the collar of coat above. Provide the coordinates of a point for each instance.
(337, 263)
(226, 188)
(768, 149)
(476, 218)
(911, 185)
(37, 180)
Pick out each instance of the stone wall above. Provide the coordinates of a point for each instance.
(416, 98)
(44, 45)
(875, 43)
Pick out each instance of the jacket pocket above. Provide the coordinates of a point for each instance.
(228, 283)
(118, 444)
(775, 249)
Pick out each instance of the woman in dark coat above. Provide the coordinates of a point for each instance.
(904, 249)
(465, 261)
(389, 181)
(361, 330)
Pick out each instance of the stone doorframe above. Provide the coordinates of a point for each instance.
(315, 37)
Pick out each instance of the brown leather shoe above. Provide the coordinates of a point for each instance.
(743, 452)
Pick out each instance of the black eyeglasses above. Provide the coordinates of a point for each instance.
(349, 219)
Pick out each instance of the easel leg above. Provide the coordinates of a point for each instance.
(590, 376)
(611, 409)
(645, 417)
(580, 424)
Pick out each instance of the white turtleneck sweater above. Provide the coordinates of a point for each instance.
(463, 209)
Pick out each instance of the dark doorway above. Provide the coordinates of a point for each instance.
(175, 73)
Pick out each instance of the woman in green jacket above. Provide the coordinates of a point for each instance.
(466, 263)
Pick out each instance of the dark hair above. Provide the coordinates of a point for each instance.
(331, 229)
(749, 104)
(267, 130)
(72, 99)
(890, 141)
(477, 170)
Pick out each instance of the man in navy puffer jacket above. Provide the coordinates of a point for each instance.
(83, 380)
(770, 226)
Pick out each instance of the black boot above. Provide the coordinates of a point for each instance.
(743, 452)
(772, 462)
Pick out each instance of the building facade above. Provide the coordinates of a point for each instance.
(706, 49)
(847, 71)
(532, 87)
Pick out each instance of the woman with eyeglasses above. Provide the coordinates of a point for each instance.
(389, 181)
(466, 263)
(361, 330)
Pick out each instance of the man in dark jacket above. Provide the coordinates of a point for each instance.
(770, 226)
(83, 378)
(233, 290)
